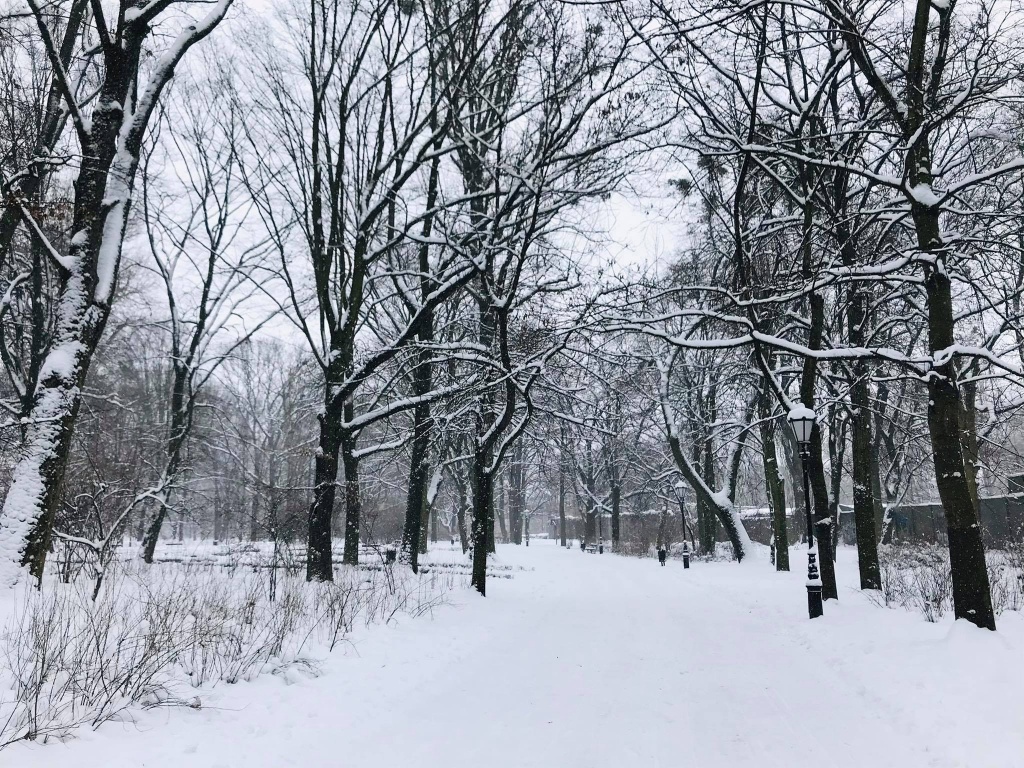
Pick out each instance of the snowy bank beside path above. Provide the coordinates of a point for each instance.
(602, 661)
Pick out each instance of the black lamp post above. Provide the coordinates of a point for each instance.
(801, 419)
(680, 491)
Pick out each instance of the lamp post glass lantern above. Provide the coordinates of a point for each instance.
(801, 419)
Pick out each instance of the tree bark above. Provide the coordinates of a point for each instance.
(836, 459)
(710, 534)
(517, 493)
(319, 558)
(254, 509)
(972, 599)
(706, 543)
(589, 526)
(419, 468)
(483, 502)
(876, 488)
(353, 497)
(561, 487)
(501, 503)
(815, 466)
(774, 483)
(616, 504)
(460, 515)
(864, 502)
(793, 469)
(424, 524)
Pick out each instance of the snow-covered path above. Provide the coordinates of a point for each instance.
(595, 661)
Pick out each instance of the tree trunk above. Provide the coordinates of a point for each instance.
(517, 493)
(707, 525)
(424, 518)
(418, 464)
(561, 488)
(460, 515)
(483, 501)
(616, 502)
(38, 330)
(774, 484)
(180, 418)
(589, 527)
(501, 503)
(793, 469)
(969, 430)
(864, 454)
(353, 499)
(26, 524)
(254, 511)
(319, 558)
(422, 383)
(864, 463)
(216, 513)
(152, 535)
(836, 459)
(815, 466)
(876, 489)
(700, 507)
(972, 599)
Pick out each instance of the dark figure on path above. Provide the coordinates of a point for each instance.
(662, 556)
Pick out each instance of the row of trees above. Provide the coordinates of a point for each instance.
(407, 192)
(390, 181)
(861, 176)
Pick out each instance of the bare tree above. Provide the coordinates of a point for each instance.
(122, 91)
(355, 132)
(197, 231)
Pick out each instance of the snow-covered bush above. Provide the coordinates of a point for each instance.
(1006, 577)
(918, 578)
(155, 636)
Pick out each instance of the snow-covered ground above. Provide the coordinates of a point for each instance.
(597, 660)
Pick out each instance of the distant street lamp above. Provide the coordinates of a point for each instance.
(801, 419)
(680, 492)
